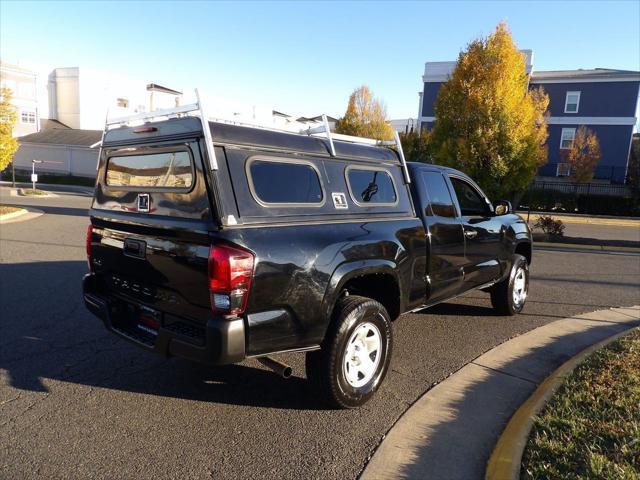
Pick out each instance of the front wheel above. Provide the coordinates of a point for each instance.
(355, 355)
(509, 296)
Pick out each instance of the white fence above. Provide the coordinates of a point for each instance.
(70, 160)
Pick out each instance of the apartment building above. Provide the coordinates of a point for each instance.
(604, 100)
(23, 84)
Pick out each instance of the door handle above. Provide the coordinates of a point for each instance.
(135, 248)
(470, 233)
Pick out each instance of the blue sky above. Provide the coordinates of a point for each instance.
(306, 57)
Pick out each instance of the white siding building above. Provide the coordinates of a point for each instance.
(23, 84)
(64, 151)
(81, 98)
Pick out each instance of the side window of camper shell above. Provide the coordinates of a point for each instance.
(276, 182)
(371, 186)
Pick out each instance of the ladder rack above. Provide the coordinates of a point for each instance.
(196, 109)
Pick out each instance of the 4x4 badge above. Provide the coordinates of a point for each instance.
(143, 202)
(339, 200)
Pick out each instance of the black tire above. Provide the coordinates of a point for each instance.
(502, 294)
(326, 368)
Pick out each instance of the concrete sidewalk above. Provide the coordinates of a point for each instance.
(450, 432)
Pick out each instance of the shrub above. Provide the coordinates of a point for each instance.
(550, 225)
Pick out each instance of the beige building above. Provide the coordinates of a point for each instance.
(81, 98)
(23, 84)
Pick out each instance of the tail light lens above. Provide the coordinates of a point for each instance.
(230, 275)
(89, 235)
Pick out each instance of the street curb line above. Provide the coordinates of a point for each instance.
(12, 215)
(506, 459)
(580, 246)
(585, 219)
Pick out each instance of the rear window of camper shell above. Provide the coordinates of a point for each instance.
(168, 169)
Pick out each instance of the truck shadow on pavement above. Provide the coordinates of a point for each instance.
(53, 210)
(47, 334)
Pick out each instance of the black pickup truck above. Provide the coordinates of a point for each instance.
(239, 242)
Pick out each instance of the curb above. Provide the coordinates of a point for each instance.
(12, 215)
(506, 459)
(580, 246)
(451, 431)
(20, 192)
(587, 219)
(27, 213)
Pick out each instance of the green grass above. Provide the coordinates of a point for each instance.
(31, 191)
(591, 427)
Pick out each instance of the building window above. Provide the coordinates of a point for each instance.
(27, 117)
(572, 102)
(122, 103)
(563, 170)
(566, 138)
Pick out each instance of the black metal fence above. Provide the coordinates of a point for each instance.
(588, 198)
(590, 188)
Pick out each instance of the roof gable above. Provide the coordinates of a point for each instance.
(63, 136)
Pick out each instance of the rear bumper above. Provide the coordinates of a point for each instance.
(219, 342)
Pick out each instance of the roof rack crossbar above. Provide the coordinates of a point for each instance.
(403, 162)
(206, 129)
(325, 131)
(147, 116)
(198, 110)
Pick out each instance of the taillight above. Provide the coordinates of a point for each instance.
(230, 274)
(88, 243)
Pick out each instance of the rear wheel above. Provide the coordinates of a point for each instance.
(509, 296)
(355, 355)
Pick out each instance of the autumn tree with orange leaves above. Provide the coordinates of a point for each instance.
(488, 123)
(366, 116)
(583, 155)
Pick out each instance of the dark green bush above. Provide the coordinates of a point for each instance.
(550, 225)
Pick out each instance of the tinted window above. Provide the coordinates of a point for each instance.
(440, 201)
(371, 186)
(279, 182)
(169, 169)
(470, 201)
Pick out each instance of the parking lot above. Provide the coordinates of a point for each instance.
(75, 401)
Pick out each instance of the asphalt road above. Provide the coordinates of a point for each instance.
(602, 232)
(77, 402)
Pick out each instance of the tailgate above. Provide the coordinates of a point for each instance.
(151, 219)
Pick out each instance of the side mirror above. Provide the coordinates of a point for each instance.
(503, 207)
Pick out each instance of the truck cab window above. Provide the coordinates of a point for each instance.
(440, 201)
(470, 201)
